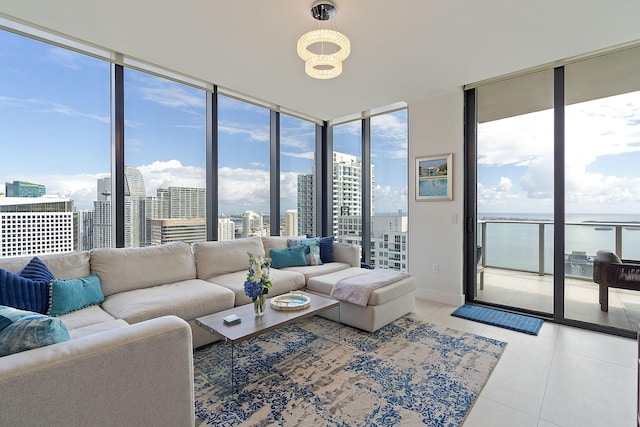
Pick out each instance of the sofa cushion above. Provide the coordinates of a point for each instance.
(73, 294)
(216, 258)
(289, 257)
(36, 270)
(318, 270)
(125, 269)
(187, 299)
(22, 293)
(282, 283)
(24, 330)
(97, 328)
(87, 316)
(274, 242)
(62, 266)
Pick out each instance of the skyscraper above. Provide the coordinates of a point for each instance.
(24, 189)
(134, 211)
(347, 193)
(31, 226)
(306, 204)
(291, 223)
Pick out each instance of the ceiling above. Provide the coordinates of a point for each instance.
(405, 51)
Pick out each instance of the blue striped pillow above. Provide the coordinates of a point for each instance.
(22, 293)
(36, 270)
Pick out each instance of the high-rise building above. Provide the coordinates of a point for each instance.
(176, 203)
(388, 239)
(347, 193)
(101, 235)
(104, 189)
(134, 208)
(24, 189)
(226, 229)
(291, 223)
(306, 204)
(84, 231)
(252, 224)
(177, 230)
(36, 226)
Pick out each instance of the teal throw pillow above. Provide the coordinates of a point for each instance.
(24, 330)
(312, 249)
(73, 294)
(289, 257)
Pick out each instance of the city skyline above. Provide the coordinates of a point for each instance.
(69, 147)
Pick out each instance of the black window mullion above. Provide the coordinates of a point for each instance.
(558, 193)
(212, 165)
(274, 210)
(117, 156)
(366, 191)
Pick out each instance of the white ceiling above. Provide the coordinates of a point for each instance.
(401, 51)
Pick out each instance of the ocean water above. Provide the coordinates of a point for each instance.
(515, 245)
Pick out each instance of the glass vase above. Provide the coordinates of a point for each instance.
(259, 305)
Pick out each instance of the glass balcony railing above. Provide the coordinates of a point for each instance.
(527, 245)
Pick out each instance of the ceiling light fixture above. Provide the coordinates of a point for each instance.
(323, 50)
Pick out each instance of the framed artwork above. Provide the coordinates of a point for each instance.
(433, 178)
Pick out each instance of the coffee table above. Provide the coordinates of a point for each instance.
(252, 326)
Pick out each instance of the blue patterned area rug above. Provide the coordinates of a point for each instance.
(515, 322)
(406, 373)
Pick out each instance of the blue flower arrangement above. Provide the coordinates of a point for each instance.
(258, 282)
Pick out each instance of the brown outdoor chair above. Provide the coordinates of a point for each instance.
(609, 271)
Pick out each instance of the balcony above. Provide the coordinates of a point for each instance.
(517, 261)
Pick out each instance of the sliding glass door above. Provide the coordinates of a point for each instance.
(515, 171)
(554, 158)
(602, 180)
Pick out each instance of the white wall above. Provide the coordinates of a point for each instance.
(436, 227)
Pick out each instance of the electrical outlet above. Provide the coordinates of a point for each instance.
(436, 268)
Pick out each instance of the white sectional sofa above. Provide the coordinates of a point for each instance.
(129, 361)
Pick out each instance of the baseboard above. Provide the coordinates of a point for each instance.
(441, 297)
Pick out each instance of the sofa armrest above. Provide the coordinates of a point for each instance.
(349, 254)
(141, 374)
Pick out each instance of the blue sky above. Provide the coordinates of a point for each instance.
(515, 159)
(55, 118)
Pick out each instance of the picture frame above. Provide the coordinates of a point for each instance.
(433, 178)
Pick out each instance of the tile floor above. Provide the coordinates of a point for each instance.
(534, 292)
(563, 377)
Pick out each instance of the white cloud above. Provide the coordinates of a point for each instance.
(606, 127)
(173, 95)
(260, 133)
(388, 200)
(171, 174)
(35, 105)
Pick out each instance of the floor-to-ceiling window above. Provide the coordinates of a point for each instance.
(389, 221)
(54, 147)
(297, 177)
(165, 131)
(243, 170)
(556, 154)
(73, 119)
